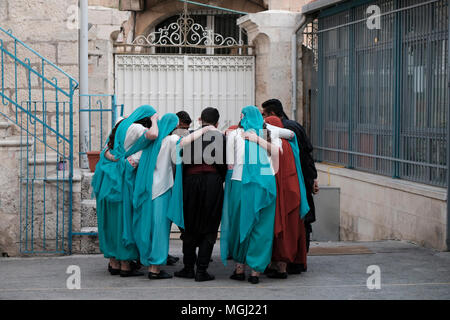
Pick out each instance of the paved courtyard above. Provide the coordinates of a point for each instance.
(407, 272)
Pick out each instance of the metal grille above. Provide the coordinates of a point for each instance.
(383, 93)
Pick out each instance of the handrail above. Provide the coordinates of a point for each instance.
(40, 56)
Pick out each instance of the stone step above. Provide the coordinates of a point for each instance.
(5, 129)
(86, 244)
(88, 213)
(43, 164)
(86, 188)
(14, 142)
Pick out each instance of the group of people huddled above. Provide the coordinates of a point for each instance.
(254, 180)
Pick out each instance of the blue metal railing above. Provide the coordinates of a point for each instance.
(37, 96)
(102, 117)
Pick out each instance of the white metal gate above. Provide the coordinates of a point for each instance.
(171, 83)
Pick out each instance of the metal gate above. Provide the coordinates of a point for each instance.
(383, 101)
(37, 109)
(172, 83)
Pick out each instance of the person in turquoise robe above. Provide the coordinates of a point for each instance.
(113, 185)
(249, 206)
(158, 195)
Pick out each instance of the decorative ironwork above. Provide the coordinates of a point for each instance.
(310, 40)
(186, 33)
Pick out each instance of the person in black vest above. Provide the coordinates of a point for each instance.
(204, 171)
(273, 107)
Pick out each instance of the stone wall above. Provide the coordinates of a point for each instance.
(375, 207)
(157, 11)
(271, 34)
(105, 23)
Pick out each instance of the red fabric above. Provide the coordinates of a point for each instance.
(290, 235)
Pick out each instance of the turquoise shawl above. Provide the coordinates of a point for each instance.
(304, 207)
(144, 176)
(258, 182)
(108, 178)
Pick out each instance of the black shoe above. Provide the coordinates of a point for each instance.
(294, 268)
(185, 273)
(135, 265)
(171, 260)
(277, 275)
(157, 276)
(238, 276)
(112, 271)
(130, 273)
(201, 276)
(253, 279)
(269, 271)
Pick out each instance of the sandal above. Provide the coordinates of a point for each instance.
(238, 276)
(253, 279)
(130, 273)
(112, 271)
(157, 276)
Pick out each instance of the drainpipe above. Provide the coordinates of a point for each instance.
(84, 83)
(448, 144)
(302, 24)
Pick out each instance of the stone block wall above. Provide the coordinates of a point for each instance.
(47, 26)
(375, 207)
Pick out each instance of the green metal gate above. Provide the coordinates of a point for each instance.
(37, 97)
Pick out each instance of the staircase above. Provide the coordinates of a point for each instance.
(88, 242)
(40, 189)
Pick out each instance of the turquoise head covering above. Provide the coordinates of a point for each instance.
(121, 132)
(258, 181)
(252, 119)
(147, 164)
(107, 181)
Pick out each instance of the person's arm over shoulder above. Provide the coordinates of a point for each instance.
(281, 133)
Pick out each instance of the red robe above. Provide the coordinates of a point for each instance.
(289, 243)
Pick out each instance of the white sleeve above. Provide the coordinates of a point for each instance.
(280, 132)
(134, 132)
(230, 143)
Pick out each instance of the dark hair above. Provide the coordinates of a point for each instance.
(210, 116)
(112, 136)
(146, 122)
(184, 117)
(275, 106)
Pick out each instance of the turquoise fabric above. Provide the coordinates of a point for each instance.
(151, 217)
(248, 214)
(257, 179)
(304, 206)
(147, 163)
(256, 249)
(153, 237)
(113, 185)
(107, 181)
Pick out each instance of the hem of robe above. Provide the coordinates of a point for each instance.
(256, 249)
(155, 248)
(109, 220)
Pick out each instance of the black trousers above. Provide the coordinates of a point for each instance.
(204, 243)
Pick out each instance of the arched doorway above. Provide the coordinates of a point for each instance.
(188, 62)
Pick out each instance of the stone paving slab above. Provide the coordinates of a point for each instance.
(407, 272)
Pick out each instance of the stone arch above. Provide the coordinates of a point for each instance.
(153, 15)
(261, 44)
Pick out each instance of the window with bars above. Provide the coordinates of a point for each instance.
(383, 94)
